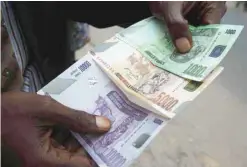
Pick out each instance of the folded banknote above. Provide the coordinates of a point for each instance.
(139, 82)
(145, 84)
(85, 87)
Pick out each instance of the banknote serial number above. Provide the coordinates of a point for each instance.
(195, 70)
(85, 65)
(230, 31)
(165, 101)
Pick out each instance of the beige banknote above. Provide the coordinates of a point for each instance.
(211, 43)
(144, 83)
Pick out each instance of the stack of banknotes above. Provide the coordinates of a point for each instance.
(139, 81)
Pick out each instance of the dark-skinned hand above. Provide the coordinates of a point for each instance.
(28, 126)
(179, 14)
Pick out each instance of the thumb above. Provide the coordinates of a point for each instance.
(178, 27)
(75, 120)
(46, 108)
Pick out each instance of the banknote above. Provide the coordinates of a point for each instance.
(210, 45)
(84, 86)
(145, 84)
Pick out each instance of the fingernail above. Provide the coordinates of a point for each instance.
(183, 45)
(103, 123)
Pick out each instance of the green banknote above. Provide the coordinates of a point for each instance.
(210, 45)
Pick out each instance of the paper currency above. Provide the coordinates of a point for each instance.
(131, 98)
(143, 83)
(85, 87)
(210, 45)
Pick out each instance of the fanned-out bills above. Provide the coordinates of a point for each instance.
(145, 84)
(85, 87)
(139, 82)
(211, 43)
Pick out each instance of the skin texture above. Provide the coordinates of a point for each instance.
(178, 15)
(36, 128)
(28, 124)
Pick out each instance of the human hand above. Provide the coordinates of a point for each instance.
(26, 128)
(178, 15)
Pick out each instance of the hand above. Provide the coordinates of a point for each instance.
(26, 129)
(178, 15)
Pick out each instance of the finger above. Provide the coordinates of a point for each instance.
(82, 152)
(71, 144)
(78, 121)
(45, 107)
(74, 147)
(178, 27)
(46, 142)
(56, 157)
(79, 161)
(60, 134)
(44, 134)
(41, 123)
(213, 12)
(188, 6)
(65, 158)
(55, 144)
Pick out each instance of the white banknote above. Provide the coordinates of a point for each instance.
(85, 87)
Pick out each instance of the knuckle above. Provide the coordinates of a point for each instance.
(171, 22)
(85, 119)
(174, 19)
(46, 102)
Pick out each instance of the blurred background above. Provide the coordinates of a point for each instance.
(239, 5)
(210, 133)
(85, 37)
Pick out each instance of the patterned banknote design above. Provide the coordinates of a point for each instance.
(145, 84)
(132, 126)
(211, 43)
